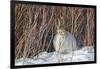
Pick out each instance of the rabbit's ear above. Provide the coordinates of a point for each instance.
(58, 27)
(59, 24)
(62, 21)
(56, 24)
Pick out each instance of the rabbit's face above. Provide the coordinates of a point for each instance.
(61, 31)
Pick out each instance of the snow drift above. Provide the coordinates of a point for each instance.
(84, 54)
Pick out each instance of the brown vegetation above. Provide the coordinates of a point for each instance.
(35, 27)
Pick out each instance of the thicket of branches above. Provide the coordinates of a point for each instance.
(35, 27)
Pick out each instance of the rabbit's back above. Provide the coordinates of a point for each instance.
(70, 43)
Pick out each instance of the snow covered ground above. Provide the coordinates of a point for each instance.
(84, 54)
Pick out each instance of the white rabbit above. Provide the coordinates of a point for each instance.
(64, 42)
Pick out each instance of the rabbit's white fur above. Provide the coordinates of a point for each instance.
(64, 42)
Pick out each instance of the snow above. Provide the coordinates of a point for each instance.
(84, 54)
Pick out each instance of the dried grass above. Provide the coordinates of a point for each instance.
(35, 27)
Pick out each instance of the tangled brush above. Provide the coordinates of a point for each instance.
(35, 27)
